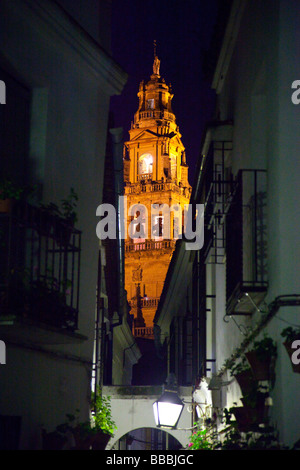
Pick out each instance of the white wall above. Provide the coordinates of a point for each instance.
(72, 81)
(257, 96)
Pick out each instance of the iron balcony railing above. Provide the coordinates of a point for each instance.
(246, 243)
(39, 267)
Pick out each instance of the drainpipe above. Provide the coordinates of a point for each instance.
(117, 150)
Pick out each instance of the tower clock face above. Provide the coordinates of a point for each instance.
(146, 164)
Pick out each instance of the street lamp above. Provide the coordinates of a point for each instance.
(168, 408)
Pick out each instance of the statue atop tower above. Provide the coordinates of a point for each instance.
(156, 65)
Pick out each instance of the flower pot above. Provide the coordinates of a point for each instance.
(44, 221)
(248, 418)
(246, 381)
(100, 441)
(97, 441)
(53, 440)
(6, 206)
(290, 351)
(262, 368)
(63, 232)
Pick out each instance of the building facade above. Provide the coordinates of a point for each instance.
(156, 178)
(59, 76)
(241, 287)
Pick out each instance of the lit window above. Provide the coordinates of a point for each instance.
(151, 103)
(146, 164)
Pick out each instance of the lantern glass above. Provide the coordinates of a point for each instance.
(167, 410)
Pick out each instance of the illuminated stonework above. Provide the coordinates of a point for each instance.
(155, 172)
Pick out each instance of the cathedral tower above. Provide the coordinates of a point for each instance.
(155, 172)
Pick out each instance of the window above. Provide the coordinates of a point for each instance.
(173, 166)
(145, 164)
(150, 103)
(139, 230)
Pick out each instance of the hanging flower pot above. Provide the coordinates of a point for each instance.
(262, 359)
(245, 380)
(248, 417)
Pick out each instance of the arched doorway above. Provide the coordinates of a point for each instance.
(147, 439)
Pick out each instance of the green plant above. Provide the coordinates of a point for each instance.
(101, 413)
(86, 433)
(239, 367)
(66, 210)
(10, 190)
(201, 440)
(265, 347)
(68, 207)
(231, 438)
(256, 396)
(290, 334)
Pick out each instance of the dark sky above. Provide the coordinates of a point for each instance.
(182, 30)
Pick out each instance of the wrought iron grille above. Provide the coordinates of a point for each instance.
(39, 267)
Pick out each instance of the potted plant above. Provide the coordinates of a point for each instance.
(57, 220)
(242, 372)
(9, 192)
(89, 435)
(200, 440)
(291, 335)
(65, 217)
(249, 416)
(262, 358)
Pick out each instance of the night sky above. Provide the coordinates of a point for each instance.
(182, 30)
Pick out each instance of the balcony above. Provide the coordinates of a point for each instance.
(145, 302)
(246, 244)
(144, 176)
(143, 332)
(149, 114)
(150, 245)
(39, 275)
(148, 186)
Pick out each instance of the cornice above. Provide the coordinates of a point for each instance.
(78, 41)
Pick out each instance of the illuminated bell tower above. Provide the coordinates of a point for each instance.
(155, 172)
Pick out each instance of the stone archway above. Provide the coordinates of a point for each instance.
(148, 439)
(131, 408)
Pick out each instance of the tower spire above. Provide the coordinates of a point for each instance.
(156, 63)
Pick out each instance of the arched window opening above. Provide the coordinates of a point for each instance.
(145, 166)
